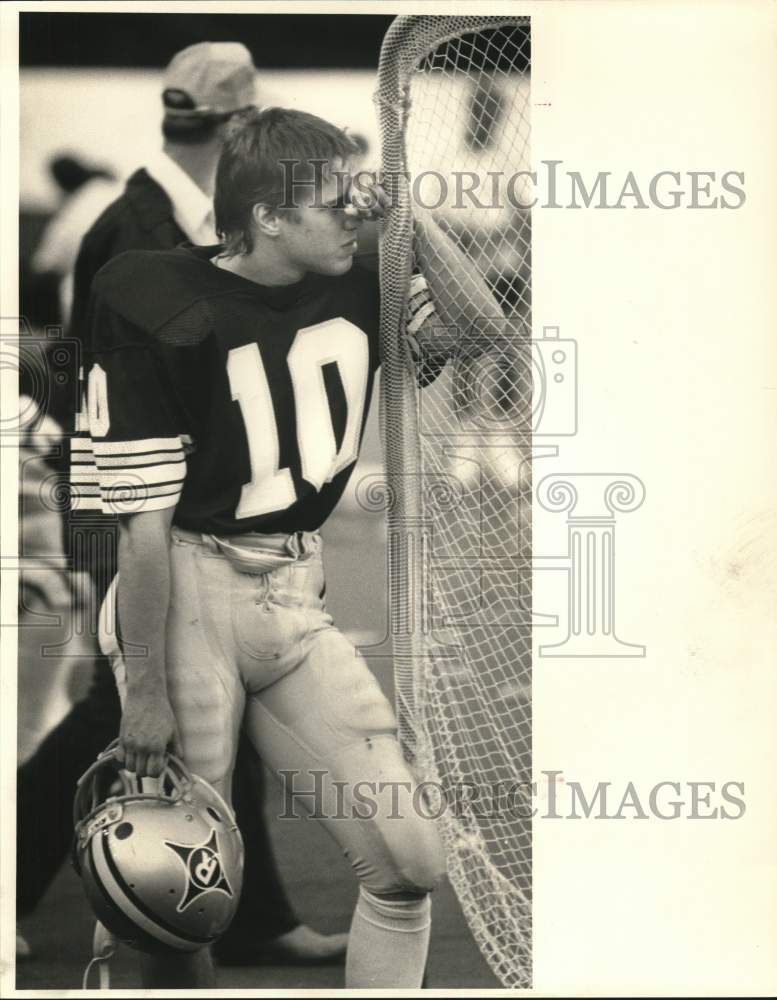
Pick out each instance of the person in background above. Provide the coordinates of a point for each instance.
(86, 191)
(167, 202)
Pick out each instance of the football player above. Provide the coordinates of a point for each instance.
(228, 388)
(166, 202)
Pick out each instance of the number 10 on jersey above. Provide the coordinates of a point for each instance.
(336, 341)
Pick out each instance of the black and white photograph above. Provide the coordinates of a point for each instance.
(340, 344)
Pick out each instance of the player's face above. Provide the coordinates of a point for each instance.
(319, 236)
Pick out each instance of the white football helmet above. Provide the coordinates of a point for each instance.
(162, 869)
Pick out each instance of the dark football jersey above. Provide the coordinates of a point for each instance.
(242, 405)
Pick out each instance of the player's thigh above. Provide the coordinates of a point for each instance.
(327, 729)
(204, 685)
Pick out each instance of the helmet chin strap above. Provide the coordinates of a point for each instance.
(103, 950)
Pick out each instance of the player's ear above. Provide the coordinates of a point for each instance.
(266, 219)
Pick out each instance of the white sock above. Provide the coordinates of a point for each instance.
(388, 942)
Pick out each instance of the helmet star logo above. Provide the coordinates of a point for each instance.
(204, 871)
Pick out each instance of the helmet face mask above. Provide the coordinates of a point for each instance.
(162, 868)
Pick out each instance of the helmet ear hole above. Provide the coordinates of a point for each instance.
(123, 830)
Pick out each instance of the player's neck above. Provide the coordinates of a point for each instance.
(262, 267)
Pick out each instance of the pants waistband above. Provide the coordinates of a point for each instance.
(294, 546)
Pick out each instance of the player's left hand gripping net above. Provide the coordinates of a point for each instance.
(453, 103)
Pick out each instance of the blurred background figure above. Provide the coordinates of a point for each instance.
(164, 203)
(55, 653)
(50, 594)
(86, 191)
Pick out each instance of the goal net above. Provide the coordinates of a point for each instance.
(453, 105)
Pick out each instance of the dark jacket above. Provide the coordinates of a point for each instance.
(140, 219)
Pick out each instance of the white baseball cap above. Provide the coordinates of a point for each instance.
(209, 78)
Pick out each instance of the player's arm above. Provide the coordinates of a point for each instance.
(133, 465)
(147, 723)
(460, 303)
(452, 298)
(461, 295)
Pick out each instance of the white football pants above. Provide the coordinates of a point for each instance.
(250, 642)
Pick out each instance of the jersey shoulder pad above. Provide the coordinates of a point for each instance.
(157, 291)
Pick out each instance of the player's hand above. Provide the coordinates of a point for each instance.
(148, 729)
(367, 197)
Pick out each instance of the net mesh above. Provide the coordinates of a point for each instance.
(453, 104)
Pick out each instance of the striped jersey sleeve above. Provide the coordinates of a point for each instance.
(420, 309)
(425, 350)
(128, 453)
